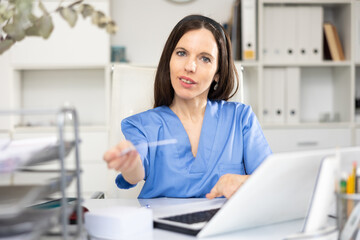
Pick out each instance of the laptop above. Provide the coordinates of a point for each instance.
(279, 190)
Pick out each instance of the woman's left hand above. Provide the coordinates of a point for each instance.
(227, 185)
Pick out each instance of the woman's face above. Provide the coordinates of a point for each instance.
(193, 65)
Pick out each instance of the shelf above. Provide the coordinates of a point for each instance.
(310, 64)
(59, 67)
(247, 63)
(83, 88)
(311, 2)
(333, 125)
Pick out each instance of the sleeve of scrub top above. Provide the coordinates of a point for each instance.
(132, 130)
(256, 147)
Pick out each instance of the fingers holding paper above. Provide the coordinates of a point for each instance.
(227, 185)
(125, 159)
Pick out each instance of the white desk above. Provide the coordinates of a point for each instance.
(275, 231)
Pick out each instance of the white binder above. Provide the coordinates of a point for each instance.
(267, 35)
(273, 34)
(268, 115)
(248, 22)
(278, 92)
(316, 34)
(303, 39)
(289, 34)
(276, 45)
(292, 95)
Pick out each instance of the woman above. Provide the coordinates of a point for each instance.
(219, 143)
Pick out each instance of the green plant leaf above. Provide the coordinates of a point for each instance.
(86, 10)
(15, 31)
(5, 14)
(111, 27)
(32, 31)
(45, 26)
(98, 18)
(5, 45)
(75, 3)
(43, 8)
(23, 7)
(69, 15)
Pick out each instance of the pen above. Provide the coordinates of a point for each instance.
(354, 175)
(350, 188)
(148, 144)
(343, 185)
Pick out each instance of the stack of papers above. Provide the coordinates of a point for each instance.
(16, 154)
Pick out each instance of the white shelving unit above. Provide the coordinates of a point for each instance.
(71, 67)
(327, 89)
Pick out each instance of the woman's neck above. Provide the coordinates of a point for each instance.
(189, 109)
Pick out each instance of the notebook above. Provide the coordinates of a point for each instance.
(279, 190)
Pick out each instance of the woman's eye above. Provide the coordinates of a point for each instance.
(180, 53)
(205, 59)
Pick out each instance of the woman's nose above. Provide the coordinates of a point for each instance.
(190, 65)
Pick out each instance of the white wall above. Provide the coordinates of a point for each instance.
(144, 25)
(5, 88)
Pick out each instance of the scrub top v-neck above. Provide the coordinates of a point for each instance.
(231, 141)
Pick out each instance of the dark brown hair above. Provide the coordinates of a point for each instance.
(163, 90)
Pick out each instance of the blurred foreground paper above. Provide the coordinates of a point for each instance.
(20, 153)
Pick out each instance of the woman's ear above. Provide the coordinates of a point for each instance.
(216, 80)
(216, 77)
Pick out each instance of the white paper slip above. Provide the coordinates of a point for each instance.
(148, 144)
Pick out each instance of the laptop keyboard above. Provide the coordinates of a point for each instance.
(195, 217)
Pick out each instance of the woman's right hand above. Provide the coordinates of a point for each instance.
(129, 164)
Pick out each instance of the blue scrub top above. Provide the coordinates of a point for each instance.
(231, 141)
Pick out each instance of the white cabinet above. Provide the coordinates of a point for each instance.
(323, 90)
(83, 88)
(283, 140)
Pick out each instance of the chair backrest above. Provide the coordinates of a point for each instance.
(131, 93)
(131, 90)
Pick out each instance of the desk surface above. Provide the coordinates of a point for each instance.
(274, 231)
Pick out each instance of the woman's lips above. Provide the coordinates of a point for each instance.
(186, 82)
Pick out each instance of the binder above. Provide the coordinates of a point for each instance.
(303, 39)
(267, 36)
(274, 95)
(292, 95)
(333, 41)
(248, 27)
(273, 34)
(289, 34)
(278, 92)
(315, 37)
(267, 94)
